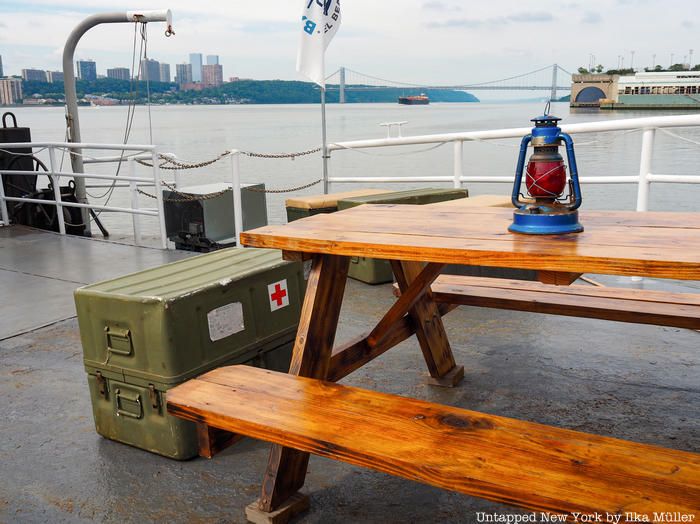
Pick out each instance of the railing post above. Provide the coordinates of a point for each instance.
(645, 169)
(159, 199)
(236, 190)
(56, 180)
(135, 217)
(3, 204)
(458, 159)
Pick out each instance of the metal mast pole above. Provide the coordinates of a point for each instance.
(324, 149)
(72, 121)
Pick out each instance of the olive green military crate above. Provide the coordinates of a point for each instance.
(147, 332)
(373, 271)
(306, 206)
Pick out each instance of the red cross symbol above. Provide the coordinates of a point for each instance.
(279, 298)
(278, 295)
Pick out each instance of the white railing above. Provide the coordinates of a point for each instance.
(648, 126)
(128, 154)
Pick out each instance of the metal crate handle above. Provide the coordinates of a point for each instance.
(118, 335)
(124, 411)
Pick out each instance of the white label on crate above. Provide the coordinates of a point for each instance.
(225, 321)
(279, 297)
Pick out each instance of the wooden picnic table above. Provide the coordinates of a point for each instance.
(419, 241)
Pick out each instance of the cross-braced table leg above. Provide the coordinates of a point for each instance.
(429, 328)
(286, 469)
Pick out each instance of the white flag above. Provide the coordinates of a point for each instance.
(320, 22)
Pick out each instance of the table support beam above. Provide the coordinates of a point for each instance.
(429, 328)
(405, 302)
(356, 353)
(286, 469)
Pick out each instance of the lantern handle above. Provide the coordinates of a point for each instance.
(547, 107)
(573, 170)
(515, 197)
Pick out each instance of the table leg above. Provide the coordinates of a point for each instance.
(429, 329)
(286, 469)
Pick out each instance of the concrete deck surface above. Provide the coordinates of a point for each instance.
(628, 381)
(39, 271)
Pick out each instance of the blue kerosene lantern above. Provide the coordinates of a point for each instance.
(545, 211)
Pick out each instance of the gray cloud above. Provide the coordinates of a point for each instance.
(591, 18)
(687, 24)
(516, 18)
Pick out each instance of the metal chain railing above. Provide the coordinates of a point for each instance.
(174, 165)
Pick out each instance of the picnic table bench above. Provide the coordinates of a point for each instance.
(517, 462)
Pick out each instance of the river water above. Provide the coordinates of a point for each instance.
(197, 133)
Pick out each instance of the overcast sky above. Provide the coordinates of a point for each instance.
(420, 41)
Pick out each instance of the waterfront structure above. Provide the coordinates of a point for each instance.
(212, 59)
(183, 74)
(150, 70)
(54, 76)
(196, 62)
(34, 75)
(644, 90)
(1, 71)
(119, 73)
(87, 70)
(212, 75)
(10, 91)
(165, 72)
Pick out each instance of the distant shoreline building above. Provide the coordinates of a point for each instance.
(212, 59)
(183, 74)
(10, 91)
(644, 90)
(196, 62)
(150, 70)
(87, 70)
(33, 75)
(119, 73)
(212, 75)
(165, 73)
(54, 76)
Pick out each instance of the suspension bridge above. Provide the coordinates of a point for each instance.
(542, 79)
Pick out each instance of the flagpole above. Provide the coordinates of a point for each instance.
(324, 149)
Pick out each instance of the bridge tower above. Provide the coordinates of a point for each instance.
(553, 94)
(341, 98)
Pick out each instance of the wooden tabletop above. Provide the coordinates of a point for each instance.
(664, 245)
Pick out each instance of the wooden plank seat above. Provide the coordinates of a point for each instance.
(519, 463)
(623, 305)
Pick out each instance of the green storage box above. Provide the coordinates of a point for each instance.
(373, 271)
(306, 206)
(147, 332)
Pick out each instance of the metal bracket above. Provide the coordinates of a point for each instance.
(153, 396)
(101, 385)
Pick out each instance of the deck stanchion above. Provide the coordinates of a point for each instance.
(133, 187)
(236, 190)
(159, 199)
(458, 162)
(56, 180)
(645, 169)
(3, 205)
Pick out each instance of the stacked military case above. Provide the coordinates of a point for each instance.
(306, 206)
(373, 271)
(144, 333)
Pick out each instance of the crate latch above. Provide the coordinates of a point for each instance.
(101, 385)
(153, 396)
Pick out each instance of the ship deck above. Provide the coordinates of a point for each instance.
(628, 381)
